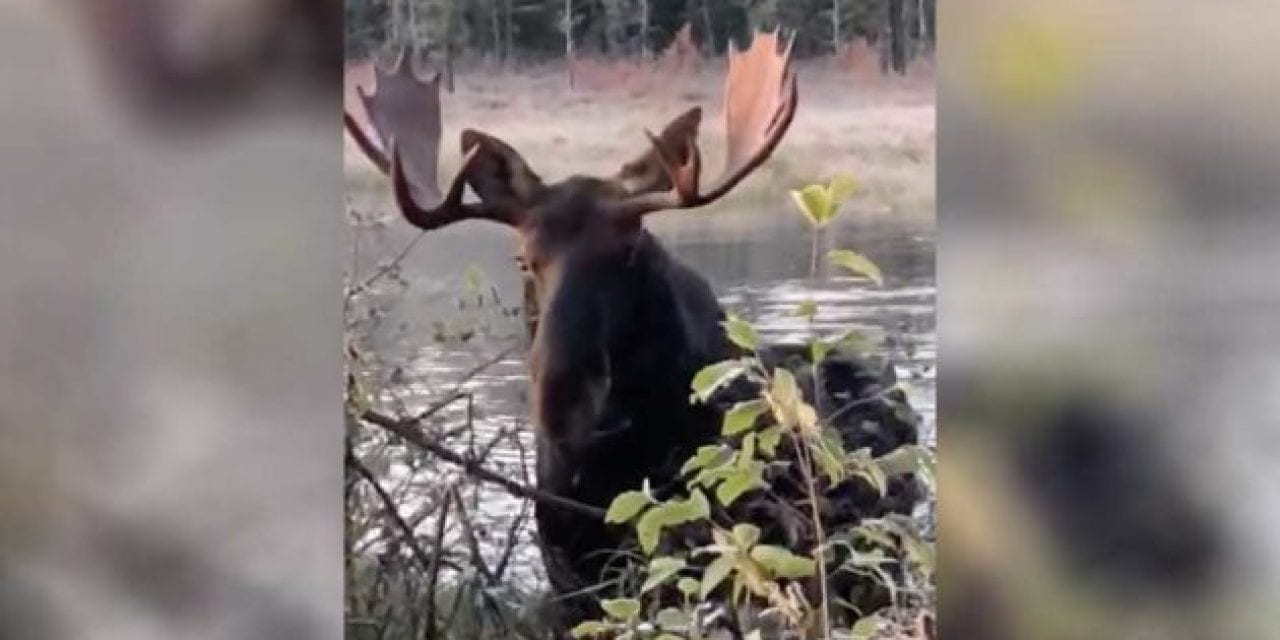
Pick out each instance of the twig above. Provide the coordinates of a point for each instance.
(513, 533)
(433, 574)
(879, 395)
(457, 393)
(477, 559)
(384, 269)
(409, 537)
(408, 431)
(513, 538)
(806, 469)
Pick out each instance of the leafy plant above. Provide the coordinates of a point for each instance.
(820, 203)
(770, 442)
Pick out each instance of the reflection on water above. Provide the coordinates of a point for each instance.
(760, 273)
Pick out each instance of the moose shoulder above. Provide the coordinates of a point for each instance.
(622, 325)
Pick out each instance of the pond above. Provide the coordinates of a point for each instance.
(464, 286)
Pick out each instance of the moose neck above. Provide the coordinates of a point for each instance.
(620, 337)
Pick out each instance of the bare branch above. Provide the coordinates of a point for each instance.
(409, 537)
(433, 574)
(473, 543)
(408, 430)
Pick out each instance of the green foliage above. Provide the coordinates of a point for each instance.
(821, 202)
(670, 513)
(743, 416)
(621, 609)
(857, 263)
(738, 565)
(782, 563)
(807, 309)
(712, 377)
(748, 475)
(741, 333)
(662, 570)
(626, 506)
(866, 628)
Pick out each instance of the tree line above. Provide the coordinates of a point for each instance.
(502, 31)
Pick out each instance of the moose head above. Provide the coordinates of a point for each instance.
(623, 326)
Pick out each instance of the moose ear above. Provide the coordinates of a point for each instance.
(645, 173)
(497, 173)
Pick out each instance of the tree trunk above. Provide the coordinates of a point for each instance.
(835, 27)
(448, 45)
(496, 25)
(508, 37)
(897, 44)
(644, 29)
(568, 38)
(710, 33)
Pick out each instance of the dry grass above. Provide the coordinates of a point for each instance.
(881, 131)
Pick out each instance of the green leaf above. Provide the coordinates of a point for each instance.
(769, 439)
(868, 469)
(785, 389)
(671, 618)
(589, 628)
(626, 506)
(875, 476)
(673, 512)
(785, 396)
(649, 528)
(660, 571)
(910, 458)
(807, 309)
(852, 338)
(708, 477)
(715, 573)
(841, 187)
(818, 351)
(873, 531)
(748, 453)
(688, 586)
(682, 511)
(714, 376)
(706, 456)
(737, 482)
(865, 628)
(814, 201)
(741, 333)
(624, 609)
(830, 463)
(920, 551)
(745, 535)
(700, 509)
(743, 416)
(857, 263)
(782, 563)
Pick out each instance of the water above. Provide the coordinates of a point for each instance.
(429, 342)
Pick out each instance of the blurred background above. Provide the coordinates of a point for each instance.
(170, 322)
(1110, 373)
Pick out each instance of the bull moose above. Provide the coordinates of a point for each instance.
(623, 326)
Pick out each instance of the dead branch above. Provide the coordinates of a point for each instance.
(473, 543)
(389, 505)
(433, 574)
(408, 430)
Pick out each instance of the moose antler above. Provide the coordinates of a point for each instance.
(759, 103)
(405, 112)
